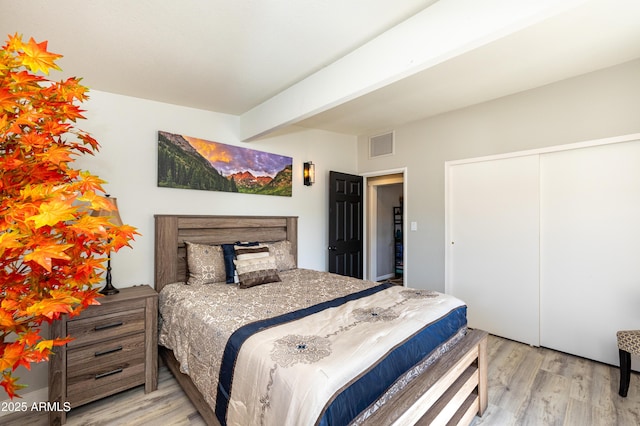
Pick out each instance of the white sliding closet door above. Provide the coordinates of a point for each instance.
(590, 248)
(493, 256)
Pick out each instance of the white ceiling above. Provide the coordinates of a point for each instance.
(235, 56)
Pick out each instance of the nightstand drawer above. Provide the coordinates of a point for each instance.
(104, 380)
(99, 356)
(97, 329)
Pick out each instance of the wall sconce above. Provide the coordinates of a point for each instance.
(309, 173)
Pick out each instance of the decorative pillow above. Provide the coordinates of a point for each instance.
(256, 271)
(251, 252)
(205, 264)
(281, 250)
(229, 254)
(247, 243)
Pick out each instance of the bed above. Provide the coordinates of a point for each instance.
(298, 343)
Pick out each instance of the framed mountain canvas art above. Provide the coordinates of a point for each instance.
(192, 163)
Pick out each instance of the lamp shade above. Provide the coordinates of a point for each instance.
(114, 219)
(114, 214)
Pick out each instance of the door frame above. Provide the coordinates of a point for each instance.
(370, 224)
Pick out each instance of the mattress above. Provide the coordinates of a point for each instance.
(315, 348)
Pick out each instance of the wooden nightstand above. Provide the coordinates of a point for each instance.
(115, 348)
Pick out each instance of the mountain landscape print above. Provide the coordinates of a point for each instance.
(192, 163)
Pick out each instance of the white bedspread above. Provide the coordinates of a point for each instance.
(290, 372)
(332, 346)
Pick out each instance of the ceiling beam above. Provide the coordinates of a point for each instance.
(444, 30)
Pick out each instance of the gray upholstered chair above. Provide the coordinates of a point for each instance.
(628, 343)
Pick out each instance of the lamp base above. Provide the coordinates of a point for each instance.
(109, 289)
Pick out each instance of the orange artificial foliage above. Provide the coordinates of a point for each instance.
(51, 249)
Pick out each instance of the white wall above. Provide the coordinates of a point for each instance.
(126, 129)
(597, 105)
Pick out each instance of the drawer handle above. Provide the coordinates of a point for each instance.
(105, 326)
(108, 351)
(108, 373)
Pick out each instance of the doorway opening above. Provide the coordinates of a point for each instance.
(385, 220)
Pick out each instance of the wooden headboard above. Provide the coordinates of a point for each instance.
(173, 230)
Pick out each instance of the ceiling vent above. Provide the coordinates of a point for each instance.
(381, 145)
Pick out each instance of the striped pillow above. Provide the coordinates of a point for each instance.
(256, 271)
(251, 252)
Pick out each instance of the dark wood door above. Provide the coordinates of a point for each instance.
(345, 224)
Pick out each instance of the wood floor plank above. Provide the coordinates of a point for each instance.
(584, 413)
(495, 415)
(519, 373)
(547, 401)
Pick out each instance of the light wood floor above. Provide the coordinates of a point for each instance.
(527, 386)
(538, 386)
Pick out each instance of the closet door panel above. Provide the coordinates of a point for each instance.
(590, 248)
(493, 224)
